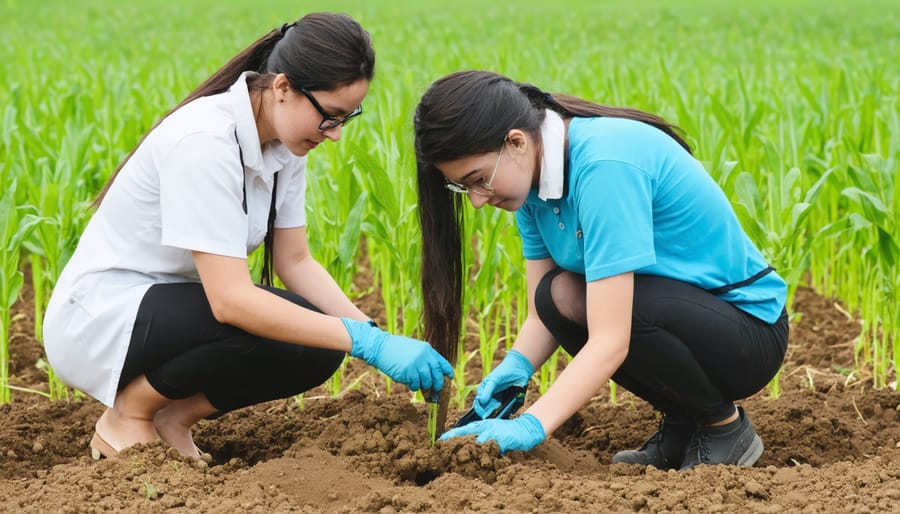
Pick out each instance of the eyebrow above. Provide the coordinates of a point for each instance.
(332, 111)
(465, 177)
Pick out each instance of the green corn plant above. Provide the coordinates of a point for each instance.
(814, 103)
(53, 241)
(547, 374)
(334, 231)
(872, 193)
(777, 222)
(433, 411)
(383, 248)
(336, 380)
(16, 224)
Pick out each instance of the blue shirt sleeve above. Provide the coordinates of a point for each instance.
(614, 202)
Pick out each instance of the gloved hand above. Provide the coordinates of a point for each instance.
(522, 433)
(409, 361)
(514, 370)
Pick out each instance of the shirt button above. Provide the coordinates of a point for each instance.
(578, 233)
(556, 210)
(562, 226)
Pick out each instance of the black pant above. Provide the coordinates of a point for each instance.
(691, 354)
(183, 350)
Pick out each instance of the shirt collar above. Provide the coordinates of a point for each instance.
(553, 139)
(264, 162)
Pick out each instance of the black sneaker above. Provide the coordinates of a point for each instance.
(665, 449)
(734, 443)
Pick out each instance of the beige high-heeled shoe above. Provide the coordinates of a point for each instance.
(100, 448)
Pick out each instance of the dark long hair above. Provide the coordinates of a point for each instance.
(319, 52)
(470, 113)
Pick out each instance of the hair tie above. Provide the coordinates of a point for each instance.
(285, 27)
(534, 94)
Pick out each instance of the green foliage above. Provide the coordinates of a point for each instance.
(793, 111)
(16, 223)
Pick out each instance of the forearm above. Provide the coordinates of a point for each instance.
(310, 280)
(535, 342)
(267, 315)
(578, 383)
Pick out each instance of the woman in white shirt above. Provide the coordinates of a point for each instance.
(156, 315)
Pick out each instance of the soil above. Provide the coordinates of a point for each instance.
(832, 444)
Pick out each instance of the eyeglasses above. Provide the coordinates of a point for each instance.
(329, 121)
(481, 186)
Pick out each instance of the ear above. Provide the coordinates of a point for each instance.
(280, 86)
(518, 140)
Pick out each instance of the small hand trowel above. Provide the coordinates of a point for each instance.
(511, 399)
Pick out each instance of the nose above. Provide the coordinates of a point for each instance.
(477, 200)
(334, 133)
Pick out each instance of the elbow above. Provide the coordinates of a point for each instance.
(616, 352)
(224, 309)
(621, 353)
(610, 350)
(281, 266)
(220, 311)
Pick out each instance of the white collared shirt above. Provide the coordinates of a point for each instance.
(181, 191)
(553, 142)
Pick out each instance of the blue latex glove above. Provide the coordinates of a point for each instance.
(522, 433)
(514, 370)
(411, 362)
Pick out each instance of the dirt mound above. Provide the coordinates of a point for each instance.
(832, 444)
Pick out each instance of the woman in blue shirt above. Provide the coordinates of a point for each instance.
(635, 261)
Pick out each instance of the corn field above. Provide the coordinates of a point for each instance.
(799, 124)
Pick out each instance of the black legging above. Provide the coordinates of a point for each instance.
(183, 350)
(691, 354)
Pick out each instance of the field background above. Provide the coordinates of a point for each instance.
(792, 106)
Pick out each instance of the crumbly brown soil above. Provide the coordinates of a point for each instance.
(832, 444)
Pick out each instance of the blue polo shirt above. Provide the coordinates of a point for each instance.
(636, 201)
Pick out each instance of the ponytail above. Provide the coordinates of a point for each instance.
(574, 107)
(251, 58)
(441, 218)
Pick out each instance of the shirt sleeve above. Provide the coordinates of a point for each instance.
(533, 246)
(201, 193)
(614, 201)
(291, 210)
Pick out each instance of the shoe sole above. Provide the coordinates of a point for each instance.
(753, 453)
(634, 457)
